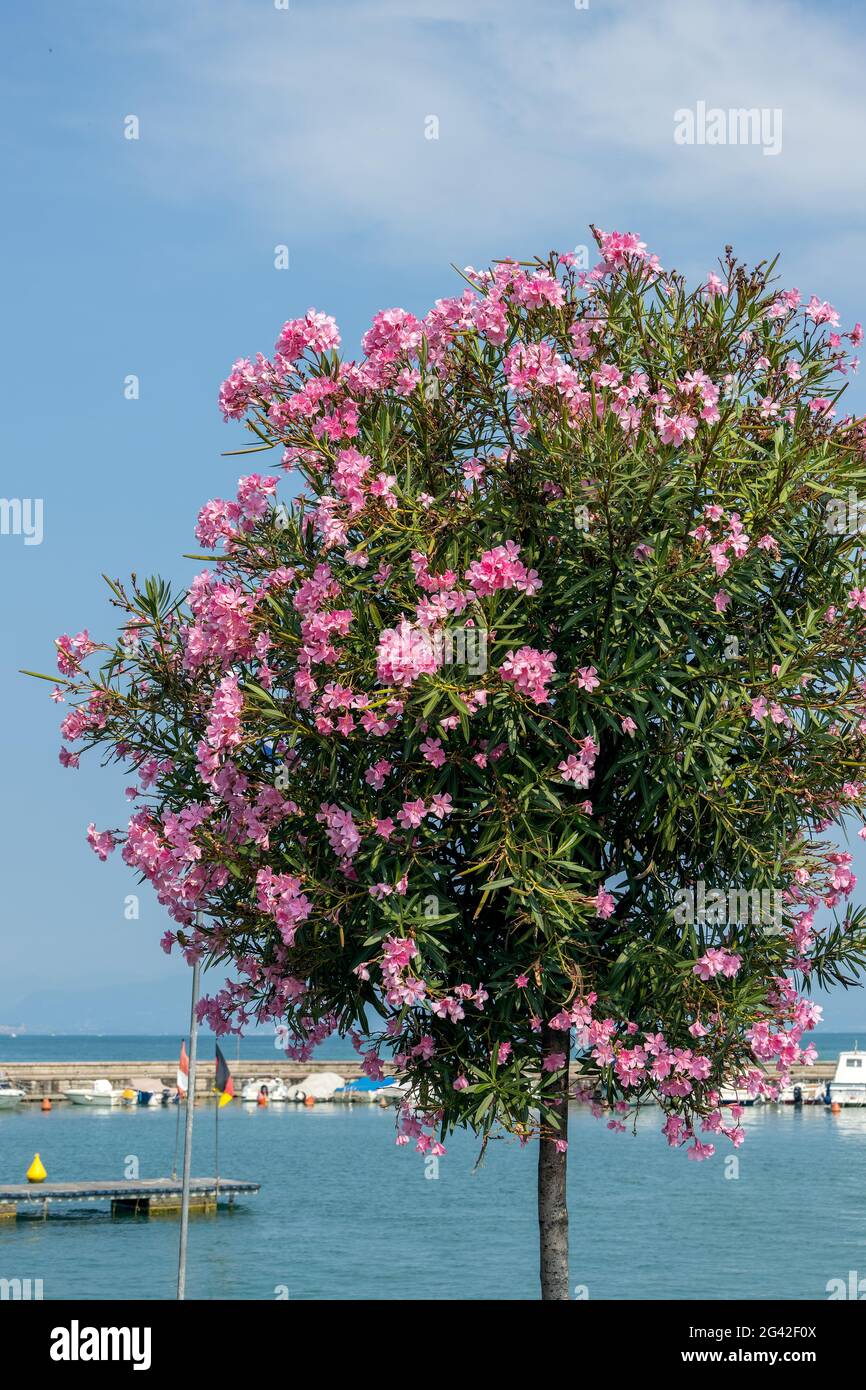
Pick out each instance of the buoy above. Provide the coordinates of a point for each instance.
(261, 1098)
(309, 1100)
(835, 1108)
(46, 1103)
(36, 1172)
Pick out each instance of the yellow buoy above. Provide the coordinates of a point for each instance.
(36, 1172)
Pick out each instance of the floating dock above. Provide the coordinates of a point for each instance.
(128, 1196)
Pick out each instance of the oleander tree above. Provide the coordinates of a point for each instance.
(561, 614)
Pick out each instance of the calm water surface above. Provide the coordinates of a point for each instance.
(344, 1214)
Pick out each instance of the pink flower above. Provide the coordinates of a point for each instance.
(628, 726)
(503, 1052)
(500, 568)
(431, 750)
(587, 678)
(699, 1151)
(553, 1061)
(441, 805)
(721, 601)
(605, 903)
(100, 841)
(676, 429)
(341, 830)
(530, 671)
(716, 962)
(571, 769)
(820, 311)
(375, 775)
(412, 813)
(404, 653)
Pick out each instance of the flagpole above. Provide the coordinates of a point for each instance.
(187, 1140)
(177, 1127)
(216, 1157)
(176, 1137)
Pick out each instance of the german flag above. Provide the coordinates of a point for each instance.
(224, 1084)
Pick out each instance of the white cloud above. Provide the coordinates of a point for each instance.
(311, 122)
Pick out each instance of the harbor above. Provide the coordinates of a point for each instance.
(103, 1223)
(51, 1080)
(334, 1182)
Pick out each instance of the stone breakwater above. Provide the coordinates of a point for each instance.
(50, 1079)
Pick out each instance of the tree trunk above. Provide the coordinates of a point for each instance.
(552, 1204)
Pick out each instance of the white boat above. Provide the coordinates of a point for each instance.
(732, 1095)
(394, 1090)
(319, 1085)
(145, 1090)
(848, 1086)
(9, 1095)
(800, 1093)
(277, 1091)
(99, 1092)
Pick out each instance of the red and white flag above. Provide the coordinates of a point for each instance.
(183, 1071)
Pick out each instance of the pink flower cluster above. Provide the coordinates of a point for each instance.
(501, 568)
(716, 961)
(342, 832)
(404, 653)
(71, 651)
(580, 770)
(100, 841)
(280, 896)
(530, 672)
(224, 521)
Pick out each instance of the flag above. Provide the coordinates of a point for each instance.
(183, 1071)
(224, 1083)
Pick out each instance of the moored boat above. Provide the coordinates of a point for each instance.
(99, 1092)
(9, 1095)
(848, 1086)
(735, 1095)
(364, 1088)
(802, 1093)
(320, 1085)
(275, 1091)
(148, 1090)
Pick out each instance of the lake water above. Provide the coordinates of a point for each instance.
(344, 1214)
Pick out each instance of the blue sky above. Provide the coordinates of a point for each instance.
(305, 127)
